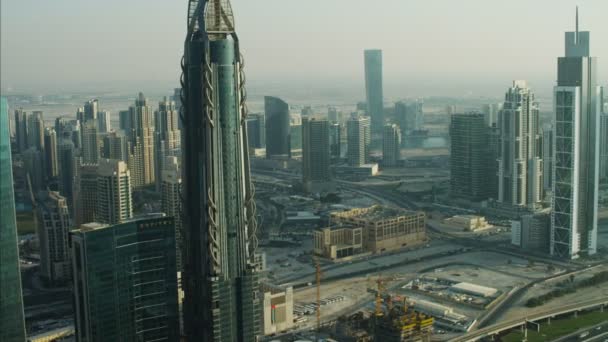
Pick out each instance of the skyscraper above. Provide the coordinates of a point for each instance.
(51, 157)
(373, 88)
(12, 326)
(125, 282)
(35, 131)
(115, 146)
(315, 151)
(114, 200)
(520, 161)
(54, 225)
(391, 145)
(220, 280)
(90, 110)
(171, 201)
(142, 141)
(277, 127)
(167, 136)
(104, 122)
(576, 147)
(33, 162)
(90, 143)
(470, 159)
(85, 194)
(256, 130)
(67, 169)
(548, 157)
(21, 129)
(358, 135)
(335, 140)
(409, 116)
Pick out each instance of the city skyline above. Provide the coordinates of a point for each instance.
(434, 56)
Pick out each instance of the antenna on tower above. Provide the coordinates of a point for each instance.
(576, 34)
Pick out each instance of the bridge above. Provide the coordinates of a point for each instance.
(498, 328)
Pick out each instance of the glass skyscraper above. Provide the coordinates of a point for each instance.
(373, 88)
(277, 127)
(125, 281)
(12, 327)
(219, 279)
(577, 103)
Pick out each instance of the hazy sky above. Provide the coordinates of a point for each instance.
(67, 44)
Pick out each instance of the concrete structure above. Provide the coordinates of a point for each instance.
(520, 167)
(402, 325)
(125, 281)
(142, 142)
(277, 309)
(315, 154)
(54, 225)
(577, 150)
(373, 88)
(277, 127)
(219, 278)
(12, 324)
(104, 123)
(21, 130)
(391, 145)
(359, 139)
(171, 201)
(259, 260)
(115, 146)
(469, 223)
(51, 157)
(385, 228)
(360, 172)
(90, 143)
(409, 116)
(473, 289)
(338, 242)
(471, 160)
(531, 232)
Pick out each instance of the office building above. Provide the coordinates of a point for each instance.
(219, 278)
(125, 281)
(12, 324)
(33, 162)
(89, 112)
(142, 142)
(168, 136)
(490, 112)
(520, 168)
(104, 123)
(90, 143)
(277, 308)
(277, 120)
(67, 169)
(338, 242)
(471, 160)
(85, 194)
(51, 154)
(409, 116)
(295, 137)
(335, 141)
(54, 225)
(358, 137)
(547, 158)
(391, 145)
(171, 201)
(576, 147)
(115, 146)
(315, 152)
(35, 131)
(373, 88)
(531, 232)
(256, 131)
(114, 198)
(124, 122)
(21, 130)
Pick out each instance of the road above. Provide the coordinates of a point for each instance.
(598, 332)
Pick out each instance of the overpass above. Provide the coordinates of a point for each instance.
(500, 327)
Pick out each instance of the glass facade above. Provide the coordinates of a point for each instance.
(12, 328)
(125, 281)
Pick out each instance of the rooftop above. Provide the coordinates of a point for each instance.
(376, 212)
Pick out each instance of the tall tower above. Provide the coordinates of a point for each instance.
(171, 201)
(219, 212)
(21, 129)
(104, 121)
(35, 130)
(142, 141)
(12, 325)
(114, 199)
(89, 113)
(277, 127)
(358, 135)
(576, 147)
(391, 145)
(90, 143)
(373, 88)
(115, 146)
(315, 151)
(50, 153)
(520, 162)
(54, 225)
(167, 136)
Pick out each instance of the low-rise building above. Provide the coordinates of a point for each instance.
(338, 242)
(277, 310)
(469, 223)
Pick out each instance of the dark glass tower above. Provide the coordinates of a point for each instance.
(373, 88)
(277, 127)
(12, 328)
(219, 213)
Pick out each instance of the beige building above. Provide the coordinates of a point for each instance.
(468, 222)
(277, 314)
(385, 228)
(53, 226)
(338, 242)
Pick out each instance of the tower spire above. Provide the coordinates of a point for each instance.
(576, 34)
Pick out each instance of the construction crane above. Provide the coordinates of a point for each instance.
(380, 288)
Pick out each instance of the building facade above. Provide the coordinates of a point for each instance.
(373, 88)
(576, 146)
(90, 143)
(51, 154)
(359, 138)
(391, 145)
(171, 201)
(277, 128)
(54, 225)
(277, 308)
(125, 281)
(315, 151)
(142, 142)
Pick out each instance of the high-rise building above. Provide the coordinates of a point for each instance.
(124, 122)
(470, 159)
(576, 147)
(315, 151)
(335, 140)
(54, 225)
(333, 115)
(33, 161)
(520, 168)
(90, 110)
(51, 155)
(90, 143)
(167, 136)
(35, 131)
(256, 131)
(220, 280)
(409, 116)
(125, 281)
(12, 324)
(295, 137)
(490, 112)
(85, 194)
(104, 122)
(391, 145)
(277, 127)
(114, 199)
(358, 136)
(115, 146)
(548, 157)
(604, 148)
(67, 169)
(373, 88)
(142, 141)
(171, 201)
(21, 130)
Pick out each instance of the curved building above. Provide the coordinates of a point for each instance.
(277, 127)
